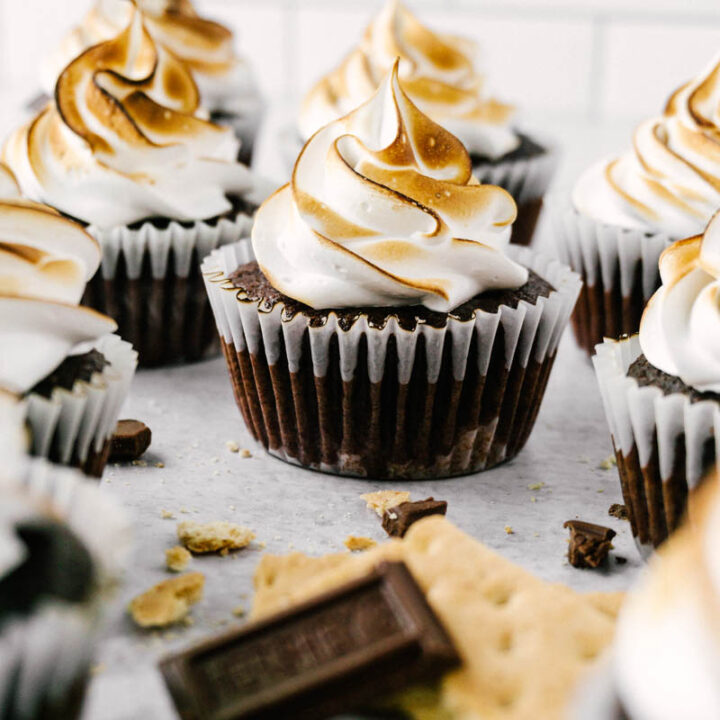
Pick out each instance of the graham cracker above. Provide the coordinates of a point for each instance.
(218, 536)
(524, 642)
(383, 500)
(167, 602)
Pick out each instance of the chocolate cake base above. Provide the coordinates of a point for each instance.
(388, 429)
(528, 210)
(168, 320)
(655, 506)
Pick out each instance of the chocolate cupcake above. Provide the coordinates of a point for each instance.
(73, 372)
(661, 390)
(226, 82)
(379, 325)
(123, 150)
(440, 75)
(625, 211)
(62, 547)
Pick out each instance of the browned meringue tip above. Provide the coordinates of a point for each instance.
(90, 314)
(9, 186)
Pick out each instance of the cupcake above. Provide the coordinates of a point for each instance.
(225, 80)
(440, 75)
(626, 210)
(73, 373)
(664, 662)
(661, 389)
(62, 546)
(122, 150)
(379, 324)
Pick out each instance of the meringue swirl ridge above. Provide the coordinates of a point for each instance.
(680, 329)
(383, 210)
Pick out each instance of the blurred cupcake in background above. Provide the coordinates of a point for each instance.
(228, 90)
(63, 546)
(440, 74)
(380, 324)
(73, 373)
(123, 150)
(626, 210)
(661, 389)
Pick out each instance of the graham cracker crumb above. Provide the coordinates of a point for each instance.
(245, 453)
(139, 463)
(536, 486)
(159, 464)
(177, 558)
(533, 499)
(357, 543)
(167, 515)
(608, 463)
(97, 669)
(218, 536)
(167, 602)
(238, 611)
(232, 446)
(509, 530)
(383, 500)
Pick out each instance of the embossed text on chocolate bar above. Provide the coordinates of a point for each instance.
(332, 654)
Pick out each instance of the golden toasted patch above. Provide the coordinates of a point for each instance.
(681, 258)
(331, 223)
(439, 53)
(393, 251)
(637, 204)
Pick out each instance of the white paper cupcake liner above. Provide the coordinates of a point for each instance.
(275, 363)
(149, 283)
(73, 426)
(662, 442)
(45, 657)
(618, 266)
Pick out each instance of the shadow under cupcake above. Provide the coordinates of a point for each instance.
(363, 337)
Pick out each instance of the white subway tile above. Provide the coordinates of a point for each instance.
(643, 64)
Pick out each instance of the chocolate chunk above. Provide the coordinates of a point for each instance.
(620, 560)
(129, 441)
(337, 652)
(618, 511)
(397, 520)
(589, 543)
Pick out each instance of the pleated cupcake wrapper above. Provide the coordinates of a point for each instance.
(45, 657)
(619, 268)
(149, 282)
(74, 426)
(664, 443)
(303, 390)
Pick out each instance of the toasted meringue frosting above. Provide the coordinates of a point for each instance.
(680, 328)
(225, 80)
(37, 335)
(670, 181)
(42, 254)
(439, 73)
(122, 141)
(383, 210)
(667, 655)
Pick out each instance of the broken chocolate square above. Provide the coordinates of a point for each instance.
(129, 441)
(397, 520)
(337, 652)
(589, 543)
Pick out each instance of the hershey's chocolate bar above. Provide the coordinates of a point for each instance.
(340, 651)
(398, 519)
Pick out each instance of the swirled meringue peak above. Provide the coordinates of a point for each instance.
(205, 46)
(42, 254)
(37, 335)
(438, 73)
(123, 141)
(680, 329)
(383, 210)
(670, 181)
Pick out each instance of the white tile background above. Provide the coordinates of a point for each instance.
(597, 59)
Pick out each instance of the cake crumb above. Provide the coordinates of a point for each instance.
(218, 536)
(177, 558)
(167, 514)
(356, 543)
(608, 463)
(383, 500)
(509, 530)
(238, 611)
(618, 511)
(245, 453)
(232, 446)
(167, 602)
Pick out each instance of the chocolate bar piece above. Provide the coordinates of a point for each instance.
(589, 543)
(340, 651)
(397, 520)
(129, 441)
